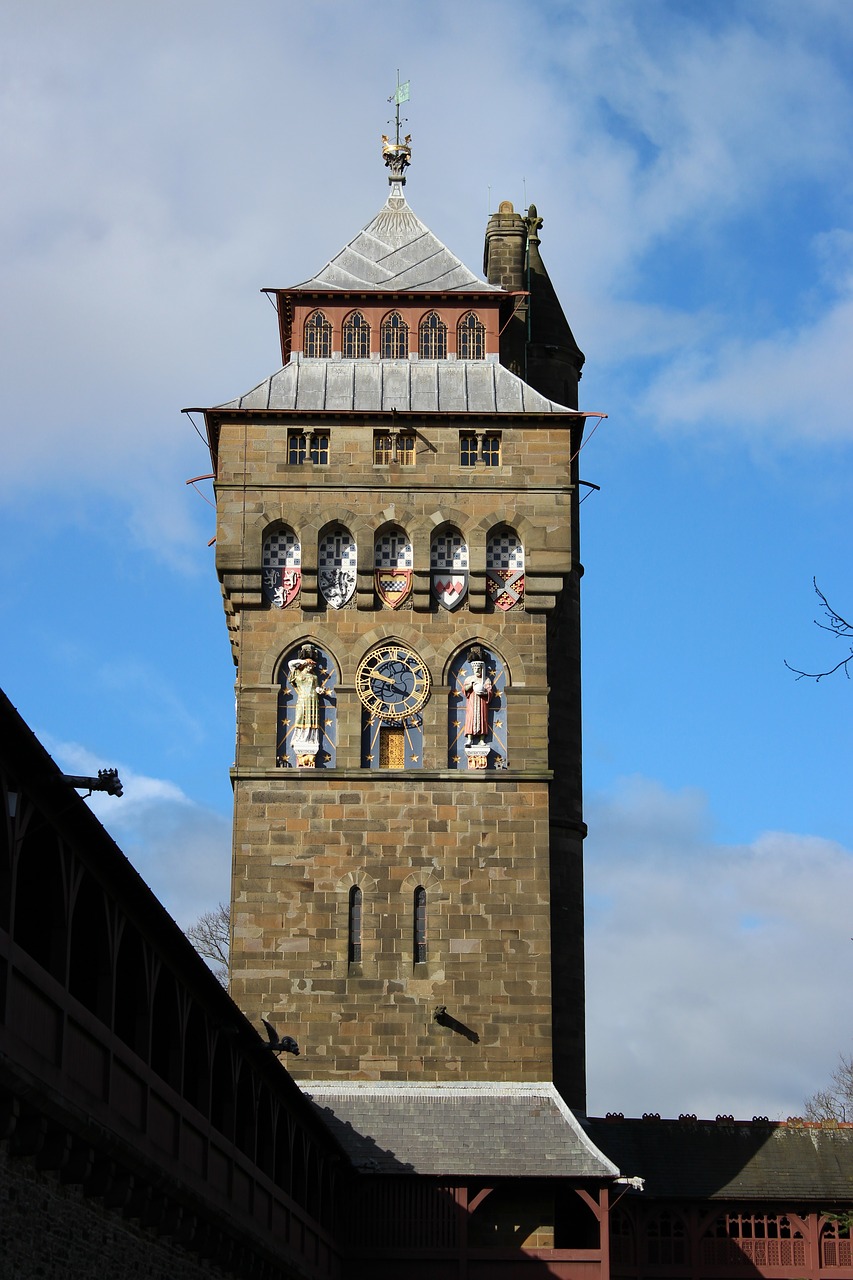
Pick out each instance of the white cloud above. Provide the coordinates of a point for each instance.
(793, 386)
(157, 176)
(717, 975)
(181, 849)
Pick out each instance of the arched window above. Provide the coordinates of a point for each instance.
(432, 338)
(281, 571)
(419, 924)
(355, 337)
(393, 559)
(505, 568)
(471, 338)
(336, 566)
(318, 337)
(354, 926)
(394, 344)
(448, 560)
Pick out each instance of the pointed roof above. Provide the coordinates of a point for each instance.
(396, 252)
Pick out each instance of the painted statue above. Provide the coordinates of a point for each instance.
(302, 674)
(478, 694)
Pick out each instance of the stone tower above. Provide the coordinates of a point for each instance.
(397, 548)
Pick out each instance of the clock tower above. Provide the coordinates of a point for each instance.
(397, 548)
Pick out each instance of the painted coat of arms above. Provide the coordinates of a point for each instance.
(336, 567)
(281, 573)
(393, 586)
(281, 586)
(393, 562)
(449, 564)
(505, 586)
(337, 585)
(449, 587)
(505, 568)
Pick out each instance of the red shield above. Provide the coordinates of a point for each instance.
(393, 586)
(505, 586)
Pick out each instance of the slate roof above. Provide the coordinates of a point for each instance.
(728, 1160)
(396, 252)
(457, 1130)
(419, 386)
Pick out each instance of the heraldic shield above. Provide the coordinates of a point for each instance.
(281, 573)
(336, 585)
(505, 568)
(449, 587)
(393, 586)
(505, 586)
(393, 561)
(449, 565)
(281, 586)
(336, 567)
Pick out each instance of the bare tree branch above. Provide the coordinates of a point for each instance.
(836, 1101)
(210, 935)
(839, 627)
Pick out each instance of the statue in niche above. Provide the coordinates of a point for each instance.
(477, 688)
(302, 674)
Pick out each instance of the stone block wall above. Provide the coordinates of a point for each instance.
(479, 842)
(481, 853)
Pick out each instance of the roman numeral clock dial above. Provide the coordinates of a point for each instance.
(392, 683)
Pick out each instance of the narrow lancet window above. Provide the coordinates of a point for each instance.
(420, 925)
(354, 926)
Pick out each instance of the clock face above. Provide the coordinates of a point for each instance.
(392, 682)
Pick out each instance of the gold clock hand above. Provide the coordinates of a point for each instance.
(376, 676)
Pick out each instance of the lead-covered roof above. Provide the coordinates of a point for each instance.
(467, 1129)
(417, 386)
(396, 253)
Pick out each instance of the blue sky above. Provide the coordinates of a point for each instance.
(692, 165)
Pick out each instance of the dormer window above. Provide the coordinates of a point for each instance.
(355, 337)
(394, 344)
(318, 337)
(471, 338)
(432, 338)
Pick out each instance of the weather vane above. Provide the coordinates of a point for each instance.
(400, 95)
